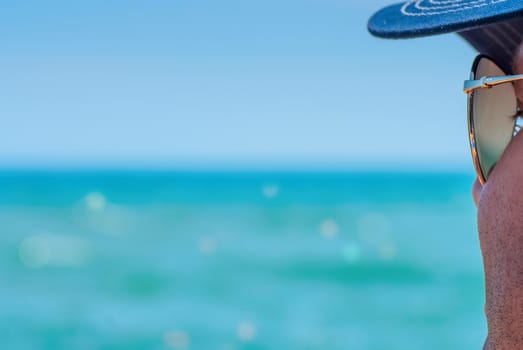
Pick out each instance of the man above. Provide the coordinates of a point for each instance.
(495, 29)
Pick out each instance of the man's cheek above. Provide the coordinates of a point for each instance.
(509, 168)
(501, 201)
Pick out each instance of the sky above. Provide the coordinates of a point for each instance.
(225, 84)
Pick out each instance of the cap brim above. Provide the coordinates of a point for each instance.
(430, 17)
(493, 27)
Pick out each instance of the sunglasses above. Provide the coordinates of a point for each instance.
(493, 113)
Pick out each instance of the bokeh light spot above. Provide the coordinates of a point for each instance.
(177, 339)
(246, 331)
(388, 251)
(270, 191)
(329, 228)
(351, 252)
(34, 252)
(207, 245)
(50, 249)
(95, 201)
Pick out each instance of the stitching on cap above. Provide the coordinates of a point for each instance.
(449, 6)
(445, 2)
(437, 2)
(419, 6)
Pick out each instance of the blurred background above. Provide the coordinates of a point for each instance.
(232, 175)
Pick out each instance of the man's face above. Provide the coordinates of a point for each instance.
(500, 226)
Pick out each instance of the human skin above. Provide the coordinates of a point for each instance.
(500, 226)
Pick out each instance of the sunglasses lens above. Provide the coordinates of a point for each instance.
(492, 116)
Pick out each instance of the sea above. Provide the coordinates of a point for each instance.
(230, 260)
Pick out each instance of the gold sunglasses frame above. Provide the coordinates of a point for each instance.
(469, 87)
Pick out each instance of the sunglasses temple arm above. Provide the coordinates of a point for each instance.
(493, 81)
(488, 82)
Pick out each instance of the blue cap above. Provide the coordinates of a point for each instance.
(493, 27)
(428, 17)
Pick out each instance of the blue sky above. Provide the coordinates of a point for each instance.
(225, 84)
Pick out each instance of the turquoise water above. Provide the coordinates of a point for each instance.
(180, 260)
